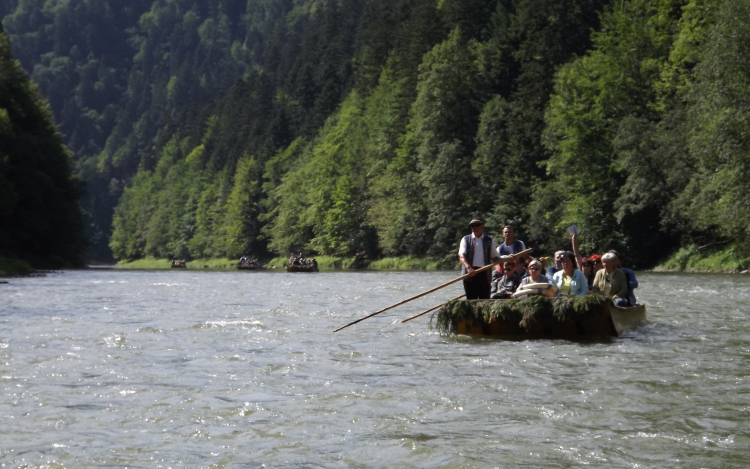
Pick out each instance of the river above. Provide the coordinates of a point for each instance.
(113, 368)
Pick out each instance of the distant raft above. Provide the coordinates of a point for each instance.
(539, 317)
(302, 268)
(179, 265)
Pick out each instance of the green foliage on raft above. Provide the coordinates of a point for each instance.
(519, 315)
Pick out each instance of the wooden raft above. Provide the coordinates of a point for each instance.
(604, 320)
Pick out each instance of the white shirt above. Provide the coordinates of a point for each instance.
(478, 260)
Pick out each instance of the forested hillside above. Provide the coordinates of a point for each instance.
(116, 72)
(40, 221)
(394, 170)
(370, 128)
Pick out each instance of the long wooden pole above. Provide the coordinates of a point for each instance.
(433, 308)
(428, 291)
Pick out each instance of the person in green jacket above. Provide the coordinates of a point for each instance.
(611, 282)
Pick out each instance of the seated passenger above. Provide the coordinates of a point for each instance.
(506, 285)
(497, 273)
(569, 280)
(587, 267)
(611, 281)
(558, 266)
(629, 276)
(535, 274)
(521, 267)
(597, 261)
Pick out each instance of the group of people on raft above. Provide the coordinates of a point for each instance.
(300, 260)
(602, 275)
(245, 262)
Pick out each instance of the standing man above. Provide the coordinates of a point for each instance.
(476, 251)
(510, 245)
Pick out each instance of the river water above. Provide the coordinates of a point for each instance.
(109, 368)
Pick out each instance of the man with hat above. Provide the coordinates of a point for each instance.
(476, 251)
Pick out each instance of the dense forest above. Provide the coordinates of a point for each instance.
(40, 220)
(371, 128)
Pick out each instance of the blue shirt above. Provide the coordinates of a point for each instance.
(579, 284)
(632, 284)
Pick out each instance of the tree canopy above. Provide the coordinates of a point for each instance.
(40, 218)
(365, 128)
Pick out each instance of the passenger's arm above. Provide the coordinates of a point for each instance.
(582, 284)
(493, 252)
(595, 287)
(469, 269)
(619, 285)
(576, 251)
(633, 280)
(462, 248)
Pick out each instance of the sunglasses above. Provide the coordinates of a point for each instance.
(533, 268)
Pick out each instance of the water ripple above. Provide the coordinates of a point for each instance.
(230, 370)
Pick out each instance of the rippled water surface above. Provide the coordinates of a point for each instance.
(107, 368)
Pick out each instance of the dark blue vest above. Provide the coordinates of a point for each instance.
(517, 247)
(486, 245)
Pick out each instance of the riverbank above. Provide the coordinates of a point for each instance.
(10, 267)
(153, 263)
(324, 262)
(728, 259)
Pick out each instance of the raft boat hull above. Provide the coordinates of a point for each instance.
(613, 322)
(301, 268)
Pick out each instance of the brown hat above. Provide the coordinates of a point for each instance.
(476, 222)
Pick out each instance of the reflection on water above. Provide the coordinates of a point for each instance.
(240, 369)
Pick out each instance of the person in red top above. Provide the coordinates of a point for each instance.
(596, 260)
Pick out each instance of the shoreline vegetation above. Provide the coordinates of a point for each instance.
(324, 262)
(10, 267)
(729, 259)
(691, 259)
